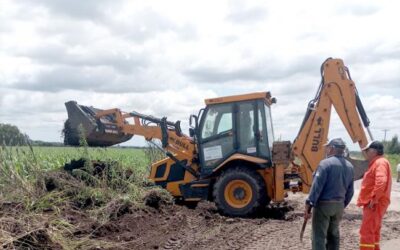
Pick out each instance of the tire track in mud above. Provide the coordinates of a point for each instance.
(268, 235)
(285, 235)
(222, 233)
(185, 237)
(237, 238)
(205, 229)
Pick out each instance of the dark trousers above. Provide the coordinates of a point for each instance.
(325, 225)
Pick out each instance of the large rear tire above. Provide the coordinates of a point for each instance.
(240, 192)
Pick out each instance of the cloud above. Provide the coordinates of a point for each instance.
(124, 61)
(165, 57)
(113, 54)
(252, 69)
(241, 14)
(98, 79)
(359, 9)
(146, 24)
(88, 9)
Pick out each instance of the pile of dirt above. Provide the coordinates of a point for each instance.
(19, 231)
(90, 170)
(169, 226)
(157, 198)
(37, 239)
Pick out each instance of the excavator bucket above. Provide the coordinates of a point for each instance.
(98, 132)
(360, 167)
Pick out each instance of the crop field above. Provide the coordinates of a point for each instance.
(49, 158)
(100, 198)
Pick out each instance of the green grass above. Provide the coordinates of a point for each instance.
(394, 159)
(25, 158)
(21, 167)
(54, 157)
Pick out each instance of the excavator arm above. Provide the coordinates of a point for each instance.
(176, 144)
(339, 91)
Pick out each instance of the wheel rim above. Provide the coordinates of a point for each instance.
(238, 193)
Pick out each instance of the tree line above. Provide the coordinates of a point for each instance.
(392, 146)
(10, 135)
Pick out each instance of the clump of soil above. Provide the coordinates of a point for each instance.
(10, 207)
(95, 168)
(11, 226)
(157, 198)
(58, 180)
(36, 239)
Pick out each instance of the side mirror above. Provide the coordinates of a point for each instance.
(192, 133)
(193, 121)
(193, 125)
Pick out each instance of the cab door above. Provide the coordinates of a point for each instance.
(246, 128)
(254, 136)
(216, 135)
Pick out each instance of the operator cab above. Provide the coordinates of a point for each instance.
(234, 125)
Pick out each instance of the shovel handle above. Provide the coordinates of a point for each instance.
(304, 224)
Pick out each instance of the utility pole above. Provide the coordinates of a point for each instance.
(385, 130)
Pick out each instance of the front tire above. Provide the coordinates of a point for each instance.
(240, 192)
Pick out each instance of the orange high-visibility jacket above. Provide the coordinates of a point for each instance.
(377, 183)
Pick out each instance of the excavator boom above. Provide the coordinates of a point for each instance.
(110, 127)
(169, 133)
(339, 91)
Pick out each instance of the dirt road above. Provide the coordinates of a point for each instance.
(203, 228)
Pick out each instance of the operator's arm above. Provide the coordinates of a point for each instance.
(381, 178)
(318, 184)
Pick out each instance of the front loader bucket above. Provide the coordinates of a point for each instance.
(360, 167)
(94, 130)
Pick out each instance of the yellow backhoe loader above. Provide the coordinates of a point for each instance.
(230, 155)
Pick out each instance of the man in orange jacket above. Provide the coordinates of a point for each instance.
(374, 195)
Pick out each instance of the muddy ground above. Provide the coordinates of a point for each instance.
(177, 227)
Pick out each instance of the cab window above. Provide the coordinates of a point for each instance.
(218, 120)
(246, 126)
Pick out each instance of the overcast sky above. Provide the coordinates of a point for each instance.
(163, 58)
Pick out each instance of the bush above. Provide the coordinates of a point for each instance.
(393, 146)
(11, 136)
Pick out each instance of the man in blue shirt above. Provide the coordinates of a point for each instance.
(331, 191)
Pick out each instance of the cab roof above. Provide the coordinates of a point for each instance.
(245, 97)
